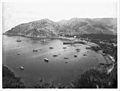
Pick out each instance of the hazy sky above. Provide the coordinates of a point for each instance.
(15, 13)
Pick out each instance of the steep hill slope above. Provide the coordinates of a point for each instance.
(39, 28)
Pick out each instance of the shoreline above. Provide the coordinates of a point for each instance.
(55, 38)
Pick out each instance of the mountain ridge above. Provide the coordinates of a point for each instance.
(74, 26)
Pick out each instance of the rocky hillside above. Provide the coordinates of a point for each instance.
(74, 26)
(89, 26)
(39, 28)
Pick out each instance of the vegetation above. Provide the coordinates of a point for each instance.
(98, 36)
(10, 80)
(96, 79)
(48, 84)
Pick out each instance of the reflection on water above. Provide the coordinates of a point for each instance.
(65, 62)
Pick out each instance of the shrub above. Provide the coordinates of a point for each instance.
(9, 79)
(94, 78)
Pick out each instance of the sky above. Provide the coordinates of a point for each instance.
(15, 13)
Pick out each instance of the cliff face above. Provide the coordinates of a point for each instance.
(73, 26)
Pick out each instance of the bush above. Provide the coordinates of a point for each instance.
(9, 79)
(48, 84)
(94, 78)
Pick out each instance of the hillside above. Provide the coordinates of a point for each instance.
(74, 26)
(90, 26)
(38, 28)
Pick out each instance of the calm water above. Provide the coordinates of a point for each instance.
(62, 68)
